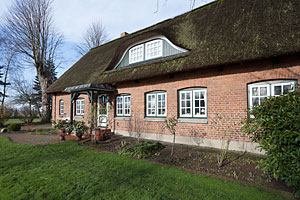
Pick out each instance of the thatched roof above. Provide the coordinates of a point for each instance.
(223, 32)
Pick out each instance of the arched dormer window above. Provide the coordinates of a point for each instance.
(150, 49)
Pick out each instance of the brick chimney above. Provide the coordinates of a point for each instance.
(123, 34)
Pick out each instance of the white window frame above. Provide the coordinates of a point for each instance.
(131, 52)
(270, 88)
(124, 105)
(156, 108)
(292, 83)
(200, 107)
(259, 96)
(61, 107)
(192, 107)
(153, 42)
(79, 107)
(190, 92)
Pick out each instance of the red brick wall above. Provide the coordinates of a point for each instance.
(226, 95)
(67, 101)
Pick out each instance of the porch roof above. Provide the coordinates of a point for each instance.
(90, 86)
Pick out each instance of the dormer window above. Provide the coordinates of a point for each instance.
(136, 54)
(148, 49)
(153, 49)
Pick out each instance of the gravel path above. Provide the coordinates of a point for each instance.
(23, 138)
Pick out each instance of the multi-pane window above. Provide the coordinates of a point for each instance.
(61, 107)
(153, 49)
(258, 92)
(156, 104)
(282, 88)
(79, 107)
(123, 105)
(136, 54)
(146, 51)
(192, 103)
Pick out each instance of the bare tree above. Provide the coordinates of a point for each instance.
(29, 27)
(25, 94)
(8, 62)
(94, 36)
(171, 124)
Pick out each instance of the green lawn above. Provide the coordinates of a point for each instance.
(69, 171)
(18, 121)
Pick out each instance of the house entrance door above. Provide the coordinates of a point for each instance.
(102, 111)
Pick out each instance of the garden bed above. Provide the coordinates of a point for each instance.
(238, 166)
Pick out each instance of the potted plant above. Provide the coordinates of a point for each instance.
(79, 128)
(69, 128)
(60, 125)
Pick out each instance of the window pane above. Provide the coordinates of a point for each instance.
(188, 104)
(255, 91)
(159, 97)
(183, 103)
(202, 95)
(188, 95)
(182, 96)
(197, 103)
(255, 101)
(197, 111)
(287, 88)
(188, 111)
(202, 111)
(262, 100)
(263, 91)
(202, 103)
(277, 90)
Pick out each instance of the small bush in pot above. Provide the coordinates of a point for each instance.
(79, 128)
(69, 128)
(60, 125)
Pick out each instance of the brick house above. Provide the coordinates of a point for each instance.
(217, 60)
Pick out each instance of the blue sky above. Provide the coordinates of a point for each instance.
(72, 17)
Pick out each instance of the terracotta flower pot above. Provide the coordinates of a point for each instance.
(62, 137)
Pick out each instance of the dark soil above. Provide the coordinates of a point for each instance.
(237, 166)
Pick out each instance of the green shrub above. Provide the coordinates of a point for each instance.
(275, 125)
(140, 149)
(14, 127)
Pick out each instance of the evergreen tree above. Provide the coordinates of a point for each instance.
(51, 70)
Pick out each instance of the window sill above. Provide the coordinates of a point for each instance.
(123, 118)
(154, 119)
(192, 120)
(79, 116)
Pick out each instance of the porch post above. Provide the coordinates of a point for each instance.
(71, 108)
(91, 98)
(73, 97)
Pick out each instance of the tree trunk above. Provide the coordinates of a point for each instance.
(5, 84)
(173, 144)
(45, 81)
(30, 114)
